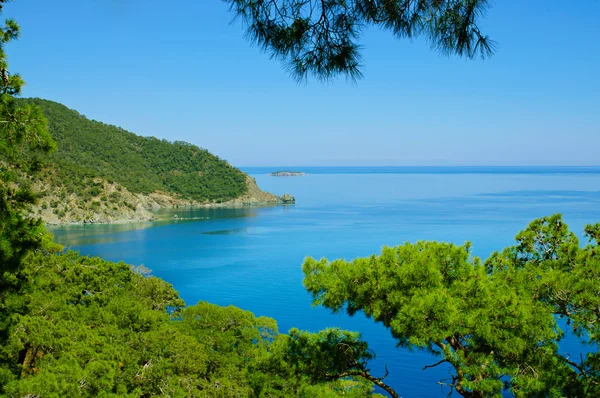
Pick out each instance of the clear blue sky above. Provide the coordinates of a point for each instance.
(181, 71)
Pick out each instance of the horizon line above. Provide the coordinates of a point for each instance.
(455, 166)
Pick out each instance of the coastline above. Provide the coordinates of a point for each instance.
(147, 205)
(155, 218)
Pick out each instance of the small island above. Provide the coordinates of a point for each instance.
(287, 173)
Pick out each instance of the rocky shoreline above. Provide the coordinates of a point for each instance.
(142, 207)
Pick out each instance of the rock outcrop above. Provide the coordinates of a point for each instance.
(288, 199)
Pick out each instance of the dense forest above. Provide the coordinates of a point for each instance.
(86, 327)
(88, 149)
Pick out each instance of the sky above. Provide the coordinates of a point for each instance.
(182, 70)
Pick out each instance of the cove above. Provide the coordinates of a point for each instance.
(251, 257)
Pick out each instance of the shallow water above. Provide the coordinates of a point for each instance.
(251, 257)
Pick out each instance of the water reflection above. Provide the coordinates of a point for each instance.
(226, 231)
(79, 234)
(199, 213)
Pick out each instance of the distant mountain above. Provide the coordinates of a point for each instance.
(103, 173)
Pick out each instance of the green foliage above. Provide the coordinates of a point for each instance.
(23, 137)
(97, 328)
(549, 261)
(494, 323)
(320, 38)
(88, 149)
(332, 352)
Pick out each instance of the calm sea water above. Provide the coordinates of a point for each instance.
(251, 257)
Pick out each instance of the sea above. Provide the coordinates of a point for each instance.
(251, 257)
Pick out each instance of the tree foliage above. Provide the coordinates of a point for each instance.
(332, 354)
(495, 323)
(23, 136)
(98, 328)
(320, 37)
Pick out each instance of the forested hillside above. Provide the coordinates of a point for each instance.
(91, 149)
(103, 173)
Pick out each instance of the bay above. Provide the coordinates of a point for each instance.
(251, 257)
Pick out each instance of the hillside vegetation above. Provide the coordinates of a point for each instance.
(93, 328)
(103, 173)
(91, 149)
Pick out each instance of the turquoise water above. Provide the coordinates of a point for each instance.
(251, 257)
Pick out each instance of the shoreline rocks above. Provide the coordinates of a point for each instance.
(288, 199)
(142, 207)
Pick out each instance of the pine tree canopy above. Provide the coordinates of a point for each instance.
(320, 37)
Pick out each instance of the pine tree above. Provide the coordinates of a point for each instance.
(23, 135)
(320, 37)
